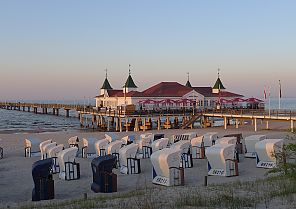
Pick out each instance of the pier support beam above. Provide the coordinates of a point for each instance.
(29, 109)
(292, 126)
(53, 111)
(35, 110)
(225, 123)
(120, 125)
(116, 124)
(57, 111)
(255, 124)
(236, 123)
(144, 124)
(126, 124)
(81, 120)
(67, 113)
(158, 123)
(136, 128)
(93, 121)
(108, 123)
(267, 124)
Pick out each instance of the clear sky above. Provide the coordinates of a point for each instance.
(58, 49)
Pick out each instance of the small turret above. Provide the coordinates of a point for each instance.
(106, 85)
(218, 85)
(129, 84)
(188, 84)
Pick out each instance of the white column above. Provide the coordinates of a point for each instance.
(255, 123)
(292, 126)
(267, 124)
(236, 123)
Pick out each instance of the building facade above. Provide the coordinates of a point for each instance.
(164, 95)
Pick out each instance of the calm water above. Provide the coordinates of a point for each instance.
(18, 121)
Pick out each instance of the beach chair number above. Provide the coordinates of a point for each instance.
(218, 172)
(267, 164)
(161, 180)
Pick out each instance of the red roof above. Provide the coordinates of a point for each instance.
(170, 89)
(207, 92)
(167, 89)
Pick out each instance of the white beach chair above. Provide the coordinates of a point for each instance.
(266, 150)
(145, 145)
(198, 148)
(111, 137)
(128, 139)
(226, 140)
(69, 169)
(46, 149)
(166, 170)
(221, 161)
(88, 149)
(186, 156)
(210, 139)
(42, 150)
(129, 164)
(250, 142)
(32, 147)
(53, 153)
(101, 146)
(113, 149)
(159, 144)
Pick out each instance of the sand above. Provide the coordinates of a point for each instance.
(15, 170)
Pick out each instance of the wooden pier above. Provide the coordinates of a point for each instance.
(114, 120)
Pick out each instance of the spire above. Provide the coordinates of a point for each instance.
(129, 82)
(218, 85)
(188, 84)
(106, 84)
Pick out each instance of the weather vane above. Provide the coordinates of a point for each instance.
(106, 70)
(218, 72)
(129, 69)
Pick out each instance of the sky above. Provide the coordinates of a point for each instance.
(59, 49)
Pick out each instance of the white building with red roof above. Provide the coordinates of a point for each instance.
(164, 95)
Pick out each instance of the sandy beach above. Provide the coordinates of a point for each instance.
(15, 170)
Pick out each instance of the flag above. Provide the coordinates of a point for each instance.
(280, 91)
(265, 93)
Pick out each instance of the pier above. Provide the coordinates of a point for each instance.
(116, 120)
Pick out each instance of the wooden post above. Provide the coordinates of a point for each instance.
(93, 120)
(67, 112)
(236, 123)
(126, 124)
(98, 121)
(120, 125)
(136, 128)
(267, 124)
(116, 123)
(144, 124)
(158, 123)
(292, 126)
(225, 123)
(53, 111)
(57, 111)
(81, 120)
(29, 109)
(108, 123)
(255, 124)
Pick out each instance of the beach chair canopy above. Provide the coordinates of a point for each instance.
(164, 159)
(128, 151)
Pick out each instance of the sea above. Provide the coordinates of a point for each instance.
(12, 121)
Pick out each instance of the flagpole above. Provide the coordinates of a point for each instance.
(280, 94)
(269, 101)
